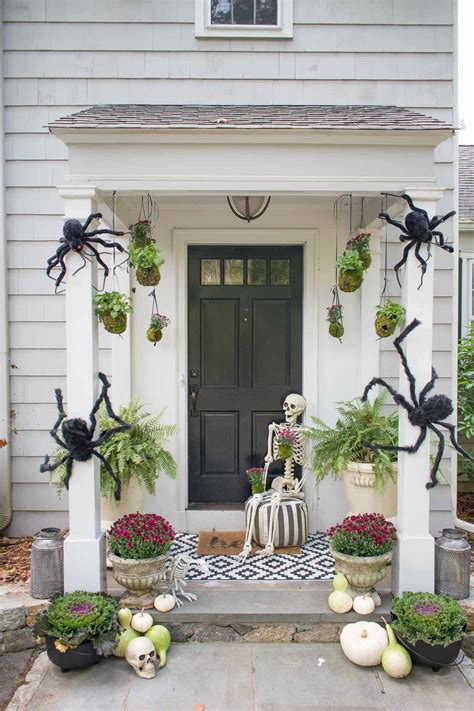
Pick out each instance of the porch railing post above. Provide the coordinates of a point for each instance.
(413, 566)
(84, 548)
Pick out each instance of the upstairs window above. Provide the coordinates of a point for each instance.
(244, 18)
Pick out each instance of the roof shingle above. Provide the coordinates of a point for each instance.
(324, 117)
(466, 183)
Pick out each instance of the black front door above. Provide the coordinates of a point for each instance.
(245, 353)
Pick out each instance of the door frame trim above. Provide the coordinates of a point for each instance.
(182, 238)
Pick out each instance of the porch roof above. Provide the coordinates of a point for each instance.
(303, 117)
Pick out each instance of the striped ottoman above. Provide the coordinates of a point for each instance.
(291, 528)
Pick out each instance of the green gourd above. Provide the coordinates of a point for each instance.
(396, 660)
(125, 618)
(161, 639)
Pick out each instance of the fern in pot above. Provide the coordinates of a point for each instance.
(369, 476)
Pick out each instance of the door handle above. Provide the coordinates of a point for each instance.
(193, 391)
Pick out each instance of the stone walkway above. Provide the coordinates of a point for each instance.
(244, 677)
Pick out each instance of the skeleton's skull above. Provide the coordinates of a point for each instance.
(141, 655)
(293, 407)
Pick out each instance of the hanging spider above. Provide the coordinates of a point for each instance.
(78, 437)
(75, 238)
(417, 230)
(425, 413)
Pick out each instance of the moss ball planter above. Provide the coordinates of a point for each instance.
(150, 276)
(141, 233)
(387, 317)
(360, 243)
(147, 262)
(112, 309)
(336, 325)
(155, 330)
(351, 271)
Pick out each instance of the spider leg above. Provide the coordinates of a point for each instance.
(399, 399)
(54, 260)
(104, 397)
(101, 262)
(452, 436)
(68, 473)
(87, 235)
(103, 242)
(83, 263)
(108, 469)
(437, 220)
(422, 262)
(447, 248)
(47, 467)
(395, 223)
(414, 207)
(429, 386)
(411, 449)
(94, 216)
(397, 343)
(62, 273)
(61, 416)
(403, 259)
(439, 454)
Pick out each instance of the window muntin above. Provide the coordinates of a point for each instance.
(272, 19)
(244, 12)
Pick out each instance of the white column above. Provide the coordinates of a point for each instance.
(413, 566)
(84, 548)
(369, 300)
(121, 391)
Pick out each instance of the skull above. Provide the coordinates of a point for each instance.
(293, 407)
(141, 655)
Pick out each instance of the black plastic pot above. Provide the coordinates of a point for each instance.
(431, 655)
(81, 657)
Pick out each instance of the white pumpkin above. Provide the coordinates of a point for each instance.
(340, 601)
(142, 621)
(363, 605)
(164, 603)
(363, 643)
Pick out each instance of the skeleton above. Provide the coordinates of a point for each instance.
(176, 574)
(283, 487)
(141, 656)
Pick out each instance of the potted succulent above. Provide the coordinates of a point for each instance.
(147, 262)
(431, 627)
(336, 324)
(112, 308)
(155, 330)
(387, 317)
(141, 233)
(369, 475)
(285, 440)
(351, 271)
(362, 547)
(79, 629)
(255, 477)
(361, 244)
(138, 550)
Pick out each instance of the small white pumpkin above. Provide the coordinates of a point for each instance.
(340, 601)
(340, 582)
(363, 643)
(164, 603)
(142, 621)
(363, 605)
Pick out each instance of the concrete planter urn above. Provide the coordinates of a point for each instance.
(139, 578)
(359, 487)
(361, 572)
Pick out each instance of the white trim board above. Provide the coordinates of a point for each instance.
(191, 520)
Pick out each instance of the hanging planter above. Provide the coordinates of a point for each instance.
(387, 317)
(147, 262)
(155, 329)
(351, 271)
(336, 325)
(141, 233)
(112, 308)
(360, 244)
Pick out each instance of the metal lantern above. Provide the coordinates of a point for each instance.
(47, 563)
(452, 564)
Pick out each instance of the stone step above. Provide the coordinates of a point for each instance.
(267, 611)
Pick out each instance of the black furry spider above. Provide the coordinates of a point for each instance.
(75, 238)
(78, 436)
(418, 229)
(423, 412)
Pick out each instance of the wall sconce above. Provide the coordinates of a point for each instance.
(248, 208)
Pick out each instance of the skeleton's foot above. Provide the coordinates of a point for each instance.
(190, 597)
(244, 553)
(268, 550)
(179, 603)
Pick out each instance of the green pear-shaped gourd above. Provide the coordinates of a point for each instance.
(396, 660)
(125, 618)
(161, 639)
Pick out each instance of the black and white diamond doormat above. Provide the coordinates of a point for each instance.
(314, 563)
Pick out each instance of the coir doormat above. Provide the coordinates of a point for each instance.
(231, 543)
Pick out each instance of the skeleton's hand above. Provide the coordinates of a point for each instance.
(268, 459)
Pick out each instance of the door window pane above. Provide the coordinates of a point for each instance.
(280, 272)
(210, 272)
(233, 271)
(256, 272)
(244, 12)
